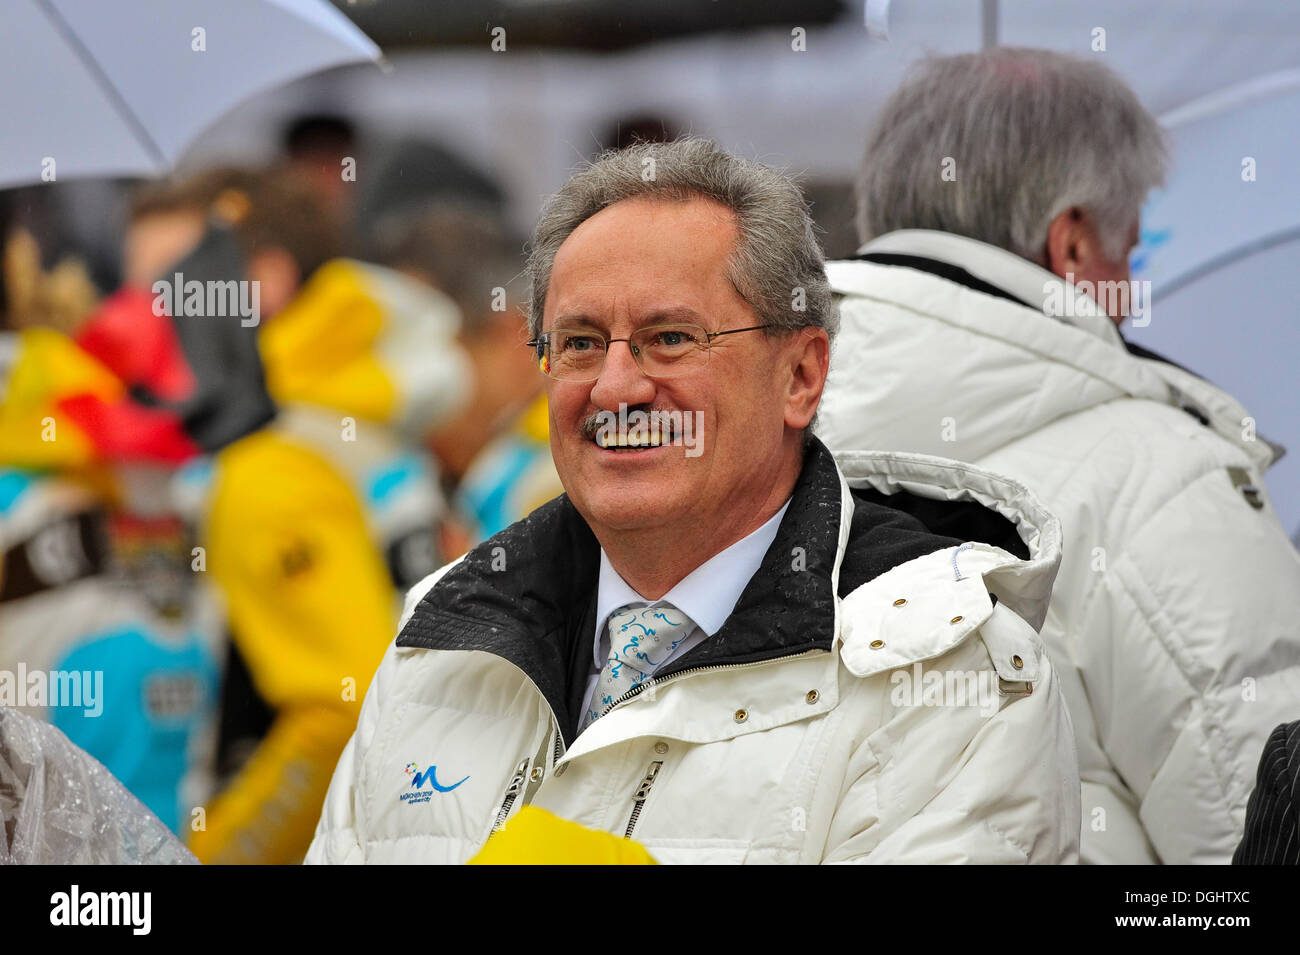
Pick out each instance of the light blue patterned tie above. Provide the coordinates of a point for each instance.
(640, 640)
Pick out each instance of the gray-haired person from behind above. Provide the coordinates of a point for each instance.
(998, 201)
(732, 649)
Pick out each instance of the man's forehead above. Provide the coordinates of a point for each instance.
(645, 258)
(653, 225)
(689, 227)
(600, 319)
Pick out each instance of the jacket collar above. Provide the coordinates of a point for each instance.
(1092, 362)
(528, 594)
(1022, 280)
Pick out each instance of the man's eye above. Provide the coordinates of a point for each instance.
(580, 343)
(672, 338)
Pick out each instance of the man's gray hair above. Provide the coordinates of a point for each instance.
(777, 265)
(1028, 134)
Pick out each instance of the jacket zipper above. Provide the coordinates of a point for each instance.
(512, 793)
(642, 794)
(519, 783)
(643, 791)
(712, 666)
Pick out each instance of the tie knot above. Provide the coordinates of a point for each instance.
(643, 637)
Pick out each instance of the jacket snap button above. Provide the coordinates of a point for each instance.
(661, 748)
(1017, 662)
(956, 619)
(812, 697)
(900, 601)
(536, 774)
(559, 770)
(877, 644)
(741, 716)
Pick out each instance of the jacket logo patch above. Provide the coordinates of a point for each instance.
(420, 779)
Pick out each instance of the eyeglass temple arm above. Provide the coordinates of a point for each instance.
(732, 331)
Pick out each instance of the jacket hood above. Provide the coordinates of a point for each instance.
(370, 342)
(843, 531)
(1005, 533)
(963, 357)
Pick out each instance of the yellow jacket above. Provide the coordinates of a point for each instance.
(315, 525)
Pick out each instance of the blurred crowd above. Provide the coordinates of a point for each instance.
(227, 453)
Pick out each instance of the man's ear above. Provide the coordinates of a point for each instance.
(1073, 245)
(1064, 238)
(810, 360)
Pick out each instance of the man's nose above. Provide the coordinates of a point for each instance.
(621, 381)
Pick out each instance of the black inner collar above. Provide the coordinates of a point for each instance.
(953, 273)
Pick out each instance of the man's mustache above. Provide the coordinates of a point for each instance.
(593, 422)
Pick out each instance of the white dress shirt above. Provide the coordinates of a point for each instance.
(707, 594)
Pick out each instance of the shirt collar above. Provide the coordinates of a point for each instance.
(707, 594)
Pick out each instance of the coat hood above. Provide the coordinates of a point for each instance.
(1006, 534)
(946, 347)
(370, 342)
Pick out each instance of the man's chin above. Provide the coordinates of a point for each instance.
(626, 511)
(629, 490)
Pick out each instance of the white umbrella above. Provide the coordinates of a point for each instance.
(96, 88)
(1232, 192)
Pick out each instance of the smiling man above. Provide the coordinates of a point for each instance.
(732, 648)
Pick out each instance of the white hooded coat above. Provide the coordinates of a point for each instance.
(1174, 626)
(792, 735)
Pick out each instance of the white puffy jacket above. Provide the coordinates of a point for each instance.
(1174, 626)
(791, 735)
